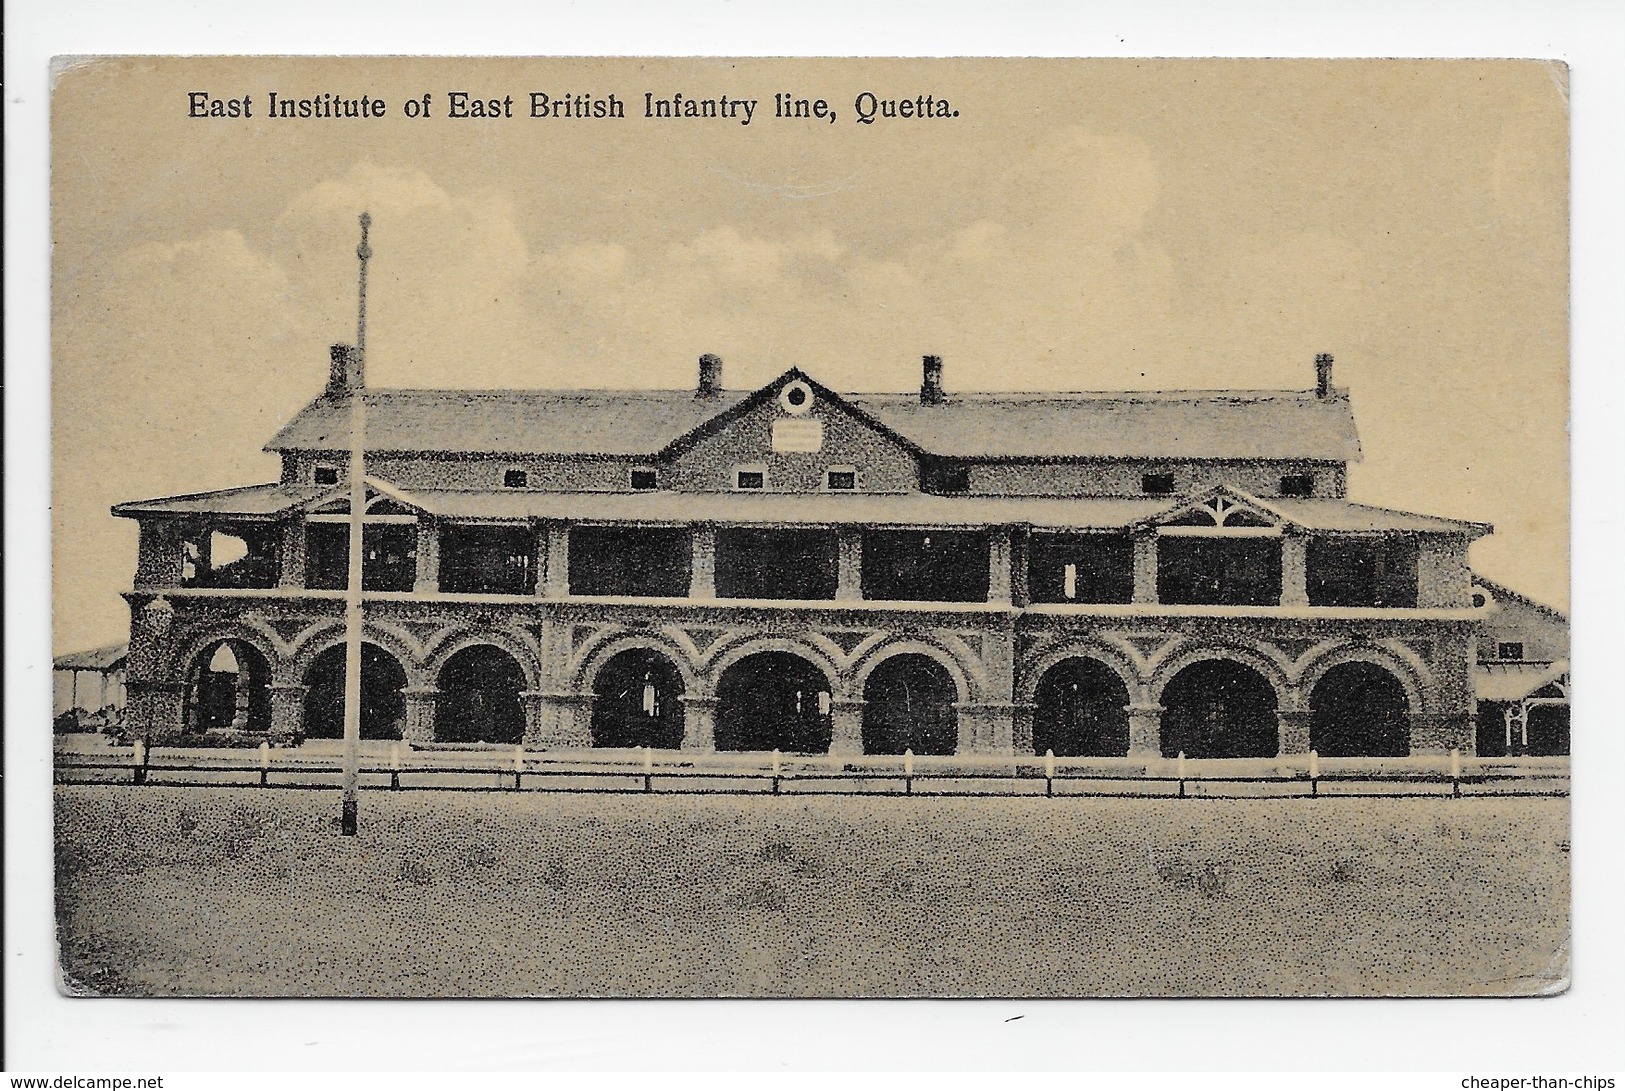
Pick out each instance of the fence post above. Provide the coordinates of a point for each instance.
(776, 770)
(138, 758)
(648, 770)
(908, 771)
(1181, 768)
(395, 764)
(1455, 773)
(518, 764)
(1314, 773)
(265, 764)
(1049, 772)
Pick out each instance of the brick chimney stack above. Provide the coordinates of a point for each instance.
(710, 377)
(343, 369)
(1323, 376)
(931, 392)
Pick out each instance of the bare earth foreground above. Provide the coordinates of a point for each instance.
(186, 891)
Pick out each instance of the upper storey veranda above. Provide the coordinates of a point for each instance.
(794, 435)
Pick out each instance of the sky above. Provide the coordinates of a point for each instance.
(1080, 225)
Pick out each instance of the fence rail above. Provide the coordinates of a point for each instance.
(778, 775)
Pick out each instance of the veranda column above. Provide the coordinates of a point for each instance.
(1021, 729)
(557, 578)
(1293, 730)
(428, 573)
(1145, 567)
(847, 739)
(998, 565)
(849, 564)
(292, 553)
(700, 724)
(1294, 571)
(287, 711)
(702, 581)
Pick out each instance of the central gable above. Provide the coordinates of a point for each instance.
(794, 432)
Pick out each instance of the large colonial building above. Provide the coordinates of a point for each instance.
(792, 568)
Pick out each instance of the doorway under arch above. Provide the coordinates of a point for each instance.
(228, 688)
(637, 701)
(383, 708)
(1359, 710)
(1081, 710)
(479, 697)
(909, 705)
(774, 701)
(1218, 708)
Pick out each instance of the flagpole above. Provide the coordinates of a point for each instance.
(352, 596)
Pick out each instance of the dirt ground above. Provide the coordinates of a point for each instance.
(249, 892)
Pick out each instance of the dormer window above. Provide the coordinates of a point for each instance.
(643, 478)
(750, 477)
(515, 479)
(325, 474)
(1510, 649)
(1298, 485)
(1158, 484)
(841, 478)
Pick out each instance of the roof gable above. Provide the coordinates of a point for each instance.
(1218, 508)
(823, 397)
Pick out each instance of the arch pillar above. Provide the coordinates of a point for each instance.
(847, 739)
(534, 702)
(557, 721)
(700, 724)
(1021, 728)
(1442, 732)
(287, 710)
(419, 727)
(1293, 730)
(1144, 730)
(986, 727)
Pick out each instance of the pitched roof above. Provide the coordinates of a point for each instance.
(1515, 681)
(816, 509)
(629, 423)
(96, 659)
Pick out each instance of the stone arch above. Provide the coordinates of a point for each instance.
(449, 646)
(322, 636)
(233, 697)
(1030, 674)
(909, 703)
(480, 685)
(1080, 708)
(965, 690)
(591, 657)
(262, 640)
(774, 698)
(1219, 706)
(726, 657)
(383, 705)
(637, 698)
(1359, 708)
(1407, 670)
(1271, 668)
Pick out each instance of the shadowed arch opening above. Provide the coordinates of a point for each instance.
(1359, 710)
(1218, 708)
(637, 701)
(1081, 709)
(228, 688)
(774, 701)
(383, 708)
(479, 697)
(909, 705)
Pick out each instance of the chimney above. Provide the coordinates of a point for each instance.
(710, 377)
(343, 369)
(931, 382)
(1323, 376)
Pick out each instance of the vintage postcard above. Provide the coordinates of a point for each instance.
(810, 528)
